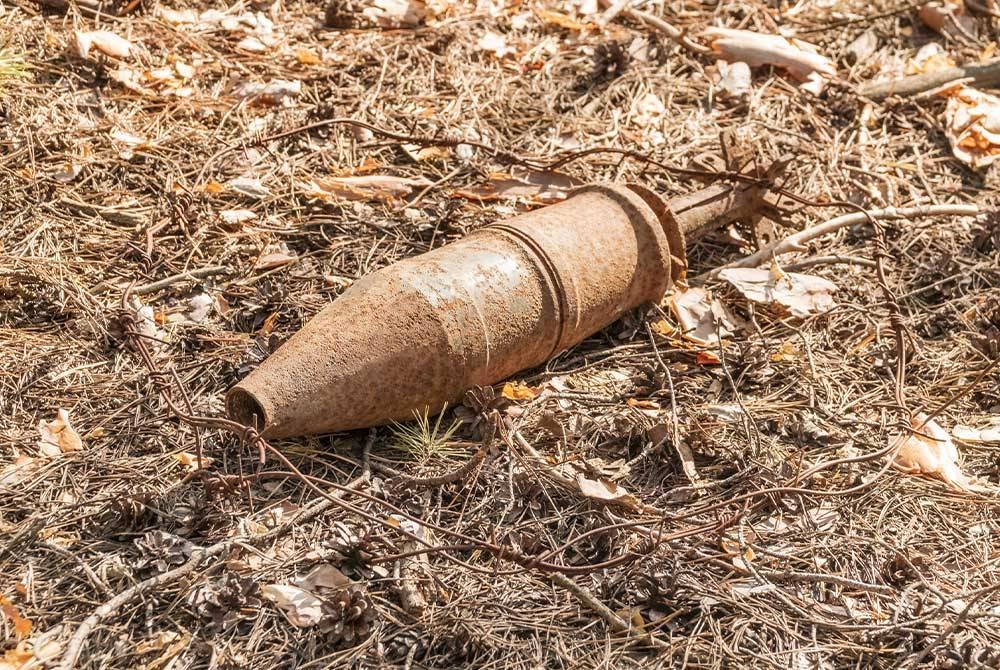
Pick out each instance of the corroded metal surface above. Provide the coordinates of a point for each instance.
(420, 332)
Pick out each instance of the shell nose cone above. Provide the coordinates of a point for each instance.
(243, 407)
(373, 356)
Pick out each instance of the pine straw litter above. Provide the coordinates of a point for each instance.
(644, 501)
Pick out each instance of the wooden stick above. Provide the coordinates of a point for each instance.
(980, 74)
(142, 289)
(653, 21)
(797, 241)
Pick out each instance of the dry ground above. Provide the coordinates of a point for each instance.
(897, 570)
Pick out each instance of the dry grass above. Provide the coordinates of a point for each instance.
(899, 572)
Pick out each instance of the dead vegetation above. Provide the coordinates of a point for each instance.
(648, 499)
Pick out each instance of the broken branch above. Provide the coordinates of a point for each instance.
(980, 74)
(797, 241)
(673, 32)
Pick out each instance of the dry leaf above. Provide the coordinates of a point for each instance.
(972, 124)
(200, 307)
(930, 58)
(665, 328)
(247, 186)
(323, 576)
(162, 640)
(648, 110)
(22, 469)
(383, 188)
(307, 57)
(177, 17)
(945, 17)
(19, 658)
(554, 18)
(703, 319)
(189, 460)
(131, 79)
(519, 391)
(707, 358)
(936, 15)
(990, 433)
(236, 216)
(58, 437)
(800, 59)
(252, 44)
(862, 48)
(536, 185)
(928, 450)
(734, 81)
(397, 13)
(428, 153)
(739, 560)
(800, 294)
(275, 256)
(104, 41)
(645, 407)
(786, 352)
(300, 607)
(606, 490)
(22, 625)
(495, 43)
(274, 92)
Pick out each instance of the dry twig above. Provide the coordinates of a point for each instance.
(797, 241)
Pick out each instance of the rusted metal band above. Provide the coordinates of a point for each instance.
(554, 283)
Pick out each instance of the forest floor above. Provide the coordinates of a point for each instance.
(163, 177)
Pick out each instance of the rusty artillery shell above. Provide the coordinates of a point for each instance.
(416, 334)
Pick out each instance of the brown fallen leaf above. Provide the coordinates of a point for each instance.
(22, 469)
(947, 17)
(19, 657)
(535, 185)
(22, 625)
(104, 41)
(519, 391)
(800, 294)
(58, 436)
(554, 18)
(928, 450)
(665, 328)
(274, 92)
(323, 576)
(382, 188)
(989, 433)
(189, 460)
(739, 559)
(707, 358)
(972, 124)
(646, 407)
(307, 57)
(734, 79)
(702, 318)
(496, 44)
(929, 58)
(397, 13)
(800, 59)
(605, 490)
(274, 257)
(301, 607)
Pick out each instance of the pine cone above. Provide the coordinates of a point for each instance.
(163, 550)
(226, 600)
(348, 614)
